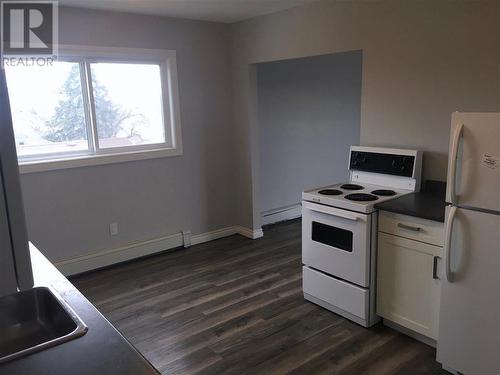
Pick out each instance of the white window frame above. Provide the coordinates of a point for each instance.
(85, 55)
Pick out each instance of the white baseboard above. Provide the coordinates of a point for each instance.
(249, 233)
(117, 255)
(213, 235)
(281, 214)
(139, 249)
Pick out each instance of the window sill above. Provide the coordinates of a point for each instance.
(94, 160)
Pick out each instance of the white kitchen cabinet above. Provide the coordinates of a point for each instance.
(408, 272)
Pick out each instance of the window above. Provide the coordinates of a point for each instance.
(331, 236)
(95, 106)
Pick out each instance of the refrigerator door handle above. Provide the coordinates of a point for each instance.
(453, 163)
(447, 243)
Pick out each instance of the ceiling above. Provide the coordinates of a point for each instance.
(227, 11)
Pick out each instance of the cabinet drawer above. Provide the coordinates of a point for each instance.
(414, 228)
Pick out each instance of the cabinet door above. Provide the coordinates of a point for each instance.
(407, 292)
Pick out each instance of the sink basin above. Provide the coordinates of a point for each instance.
(34, 320)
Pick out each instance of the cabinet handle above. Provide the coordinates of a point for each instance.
(409, 227)
(434, 268)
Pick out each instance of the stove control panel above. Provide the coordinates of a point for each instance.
(385, 163)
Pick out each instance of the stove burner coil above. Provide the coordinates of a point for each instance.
(330, 192)
(361, 197)
(351, 187)
(384, 192)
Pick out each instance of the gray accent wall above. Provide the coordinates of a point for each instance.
(69, 211)
(309, 114)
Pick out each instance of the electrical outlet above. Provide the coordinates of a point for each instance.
(113, 229)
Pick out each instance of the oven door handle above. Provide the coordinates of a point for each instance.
(330, 211)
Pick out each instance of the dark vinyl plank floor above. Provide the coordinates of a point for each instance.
(235, 306)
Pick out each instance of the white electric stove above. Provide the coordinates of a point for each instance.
(339, 229)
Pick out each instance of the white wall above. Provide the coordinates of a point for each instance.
(309, 114)
(69, 211)
(421, 61)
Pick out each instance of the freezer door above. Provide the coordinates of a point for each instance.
(469, 321)
(474, 161)
(8, 282)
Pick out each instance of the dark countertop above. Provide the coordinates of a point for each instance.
(429, 204)
(102, 350)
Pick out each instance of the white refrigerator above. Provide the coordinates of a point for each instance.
(15, 264)
(469, 322)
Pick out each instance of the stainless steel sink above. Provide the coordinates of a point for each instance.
(34, 320)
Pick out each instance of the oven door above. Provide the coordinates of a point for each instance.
(337, 242)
